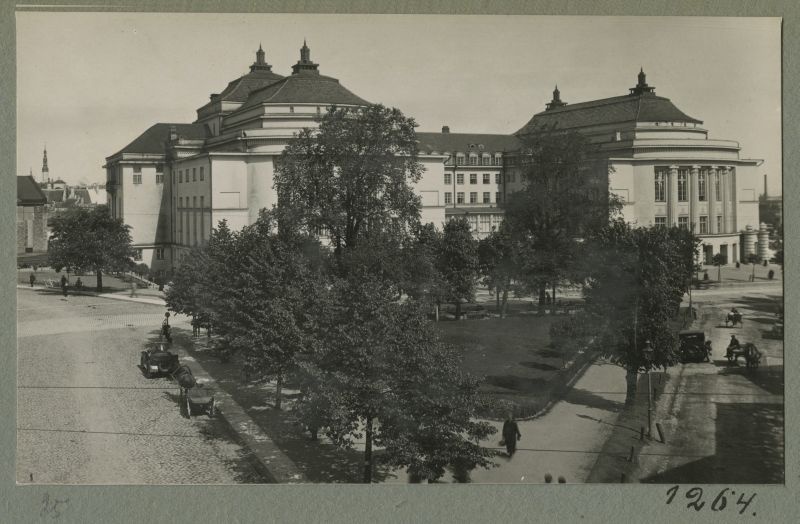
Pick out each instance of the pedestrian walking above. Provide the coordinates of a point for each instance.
(195, 327)
(32, 279)
(133, 288)
(165, 329)
(64, 285)
(78, 283)
(511, 435)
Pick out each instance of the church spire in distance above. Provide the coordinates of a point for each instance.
(45, 169)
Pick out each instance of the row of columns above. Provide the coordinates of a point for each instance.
(727, 189)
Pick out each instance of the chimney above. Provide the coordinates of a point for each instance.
(173, 133)
(445, 129)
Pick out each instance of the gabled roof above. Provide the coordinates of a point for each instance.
(442, 142)
(54, 195)
(238, 90)
(29, 193)
(154, 140)
(304, 87)
(645, 107)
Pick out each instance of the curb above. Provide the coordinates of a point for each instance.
(273, 463)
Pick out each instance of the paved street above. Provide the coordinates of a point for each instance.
(86, 413)
(724, 423)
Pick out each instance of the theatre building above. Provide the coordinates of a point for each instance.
(664, 166)
(176, 181)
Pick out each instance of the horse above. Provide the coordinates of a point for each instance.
(733, 319)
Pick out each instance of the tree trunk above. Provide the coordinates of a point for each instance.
(719, 273)
(278, 389)
(505, 304)
(631, 378)
(436, 310)
(100, 280)
(458, 310)
(497, 299)
(553, 299)
(368, 452)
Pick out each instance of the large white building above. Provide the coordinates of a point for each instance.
(176, 181)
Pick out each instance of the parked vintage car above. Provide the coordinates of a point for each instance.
(693, 346)
(158, 361)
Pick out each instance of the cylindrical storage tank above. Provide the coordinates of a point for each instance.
(763, 242)
(750, 239)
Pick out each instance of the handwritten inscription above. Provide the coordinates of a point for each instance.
(720, 501)
(52, 507)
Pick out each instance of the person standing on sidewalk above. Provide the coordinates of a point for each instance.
(511, 435)
(32, 279)
(64, 285)
(133, 288)
(165, 329)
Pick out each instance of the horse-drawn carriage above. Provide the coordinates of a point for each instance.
(749, 351)
(193, 395)
(733, 318)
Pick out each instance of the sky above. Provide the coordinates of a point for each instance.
(89, 83)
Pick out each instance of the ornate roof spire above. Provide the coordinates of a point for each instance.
(556, 101)
(305, 63)
(260, 64)
(642, 87)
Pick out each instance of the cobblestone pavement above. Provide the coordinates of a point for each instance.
(86, 414)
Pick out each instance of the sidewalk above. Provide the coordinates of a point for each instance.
(121, 295)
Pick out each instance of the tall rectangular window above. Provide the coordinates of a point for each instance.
(459, 160)
(137, 178)
(194, 218)
(497, 178)
(487, 198)
(683, 222)
(180, 176)
(194, 174)
(497, 197)
(487, 178)
(202, 215)
(701, 187)
(719, 224)
(159, 253)
(448, 179)
(487, 161)
(448, 197)
(459, 198)
(485, 223)
(661, 185)
(473, 198)
(473, 160)
(473, 178)
(159, 178)
(661, 221)
(459, 178)
(201, 173)
(498, 160)
(717, 187)
(683, 185)
(703, 225)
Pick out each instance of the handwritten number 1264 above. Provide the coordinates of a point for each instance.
(720, 502)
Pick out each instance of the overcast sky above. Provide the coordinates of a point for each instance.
(89, 83)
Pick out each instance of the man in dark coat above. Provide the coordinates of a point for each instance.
(33, 279)
(64, 285)
(511, 434)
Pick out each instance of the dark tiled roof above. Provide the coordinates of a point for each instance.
(238, 90)
(154, 139)
(54, 195)
(441, 142)
(619, 109)
(304, 87)
(29, 193)
(82, 194)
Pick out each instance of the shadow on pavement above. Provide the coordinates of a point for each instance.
(592, 400)
(768, 378)
(749, 449)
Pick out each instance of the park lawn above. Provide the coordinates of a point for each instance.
(111, 284)
(513, 356)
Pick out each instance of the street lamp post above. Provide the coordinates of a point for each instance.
(648, 352)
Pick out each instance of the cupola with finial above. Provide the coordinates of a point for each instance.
(642, 87)
(556, 101)
(305, 64)
(260, 64)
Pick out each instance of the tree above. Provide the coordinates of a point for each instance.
(637, 278)
(352, 175)
(90, 240)
(382, 374)
(498, 266)
(457, 262)
(564, 198)
(719, 260)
